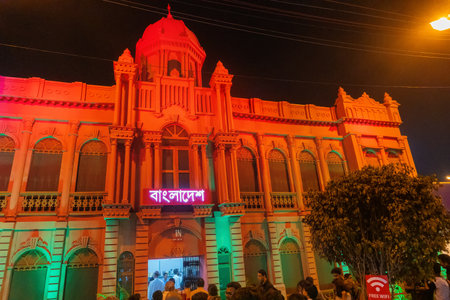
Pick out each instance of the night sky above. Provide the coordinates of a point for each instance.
(299, 51)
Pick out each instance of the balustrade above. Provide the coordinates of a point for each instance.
(39, 201)
(4, 197)
(253, 200)
(203, 101)
(283, 201)
(87, 202)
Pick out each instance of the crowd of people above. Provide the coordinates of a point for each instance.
(345, 288)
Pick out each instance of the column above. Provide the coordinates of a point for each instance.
(6, 236)
(322, 160)
(141, 260)
(296, 172)
(126, 172)
(309, 253)
(18, 174)
(204, 167)
(222, 172)
(157, 164)
(123, 105)
(67, 177)
(229, 107)
(219, 112)
(265, 174)
(212, 265)
(196, 169)
(149, 165)
(276, 258)
(54, 273)
(117, 101)
(235, 175)
(112, 171)
(110, 258)
(380, 143)
(237, 252)
(130, 101)
(133, 102)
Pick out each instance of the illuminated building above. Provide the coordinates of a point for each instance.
(78, 162)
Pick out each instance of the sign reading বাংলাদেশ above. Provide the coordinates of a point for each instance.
(174, 197)
(377, 287)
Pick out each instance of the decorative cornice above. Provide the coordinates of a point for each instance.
(226, 138)
(203, 210)
(232, 209)
(38, 101)
(121, 132)
(150, 212)
(284, 120)
(370, 122)
(116, 211)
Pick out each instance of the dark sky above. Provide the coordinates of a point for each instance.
(279, 62)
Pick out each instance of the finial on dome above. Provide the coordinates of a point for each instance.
(169, 15)
(341, 92)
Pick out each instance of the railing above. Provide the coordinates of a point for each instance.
(4, 200)
(87, 202)
(39, 201)
(147, 99)
(282, 201)
(203, 101)
(175, 92)
(253, 200)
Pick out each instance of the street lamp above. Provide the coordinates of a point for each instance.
(441, 24)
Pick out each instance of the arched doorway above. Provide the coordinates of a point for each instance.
(291, 264)
(81, 275)
(28, 277)
(255, 258)
(125, 274)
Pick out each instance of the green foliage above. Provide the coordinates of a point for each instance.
(380, 221)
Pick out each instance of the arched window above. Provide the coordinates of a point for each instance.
(92, 167)
(255, 258)
(175, 158)
(28, 276)
(81, 275)
(278, 169)
(371, 157)
(393, 156)
(335, 165)
(45, 166)
(308, 171)
(125, 274)
(247, 170)
(174, 68)
(7, 146)
(291, 264)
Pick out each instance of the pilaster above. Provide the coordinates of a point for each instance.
(237, 253)
(264, 173)
(211, 251)
(110, 257)
(277, 273)
(6, 236)
(296, 172)
(309, 253)
(322, 160)
(141, 259)
(54, 277)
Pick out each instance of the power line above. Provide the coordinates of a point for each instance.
(292, 37)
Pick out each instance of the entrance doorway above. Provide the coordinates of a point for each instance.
(182, 269)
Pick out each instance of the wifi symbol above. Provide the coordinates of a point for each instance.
(377, 282)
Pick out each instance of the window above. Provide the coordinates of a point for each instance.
(393, 156)
(174, 68)
(175, 158)
(308, 171)
(125, 273)
(92, 167)
(335, 165)
(6, 160)
(45, 166)
(371, 157)
(278, 172)
(247, 170)
(255, 258)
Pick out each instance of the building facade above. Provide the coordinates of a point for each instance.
(92, 177)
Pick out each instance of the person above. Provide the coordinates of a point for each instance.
(186, 292)
(442, 291)
(313, 291)
(341, 289)
(200, 296)
(157, 295)
(165, 277)
(305, 288)
(245, 293)
(200, 288)
(297, 297)
(231, 289)
(266, 290)
(156, 284)
(177, 278)
(173, 295)
(169, 287)
(135, 297)
(213, 292)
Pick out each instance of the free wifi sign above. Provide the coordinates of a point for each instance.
(378, 287)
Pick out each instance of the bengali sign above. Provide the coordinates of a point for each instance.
(174, 197)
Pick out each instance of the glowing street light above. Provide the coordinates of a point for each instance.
(448, 177)
(441, 24)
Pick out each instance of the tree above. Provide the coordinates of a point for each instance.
(384, 221)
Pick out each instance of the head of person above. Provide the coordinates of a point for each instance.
(310, 279)
(274, 294)
(200, 296)
(212, 290)
(135, 297)
(245, 293)
(336, 273)
(437, 269)
(200, 282)
(297, 297)
(302, 287)
(172, 280)
(262, 276)
(187, 284)
(165, 275)
(156, 274)
(176, 272)
(231, 289)
(157, 295)
(173, 296)
(170, 286)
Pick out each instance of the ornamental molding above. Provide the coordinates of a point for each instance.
(249, 116)
(232, 209)
(198, 139)
(116, 211)
(152, 137)
(202, 211)
(121, 132)
(74, 104)
(226, 139)
(150, 212)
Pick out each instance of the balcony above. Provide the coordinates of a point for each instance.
(87, 202)
(284, 201)
(253, 200)
(39, 202)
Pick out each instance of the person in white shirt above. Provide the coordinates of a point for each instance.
(442, 291)
(177, 279)
(155, 285)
